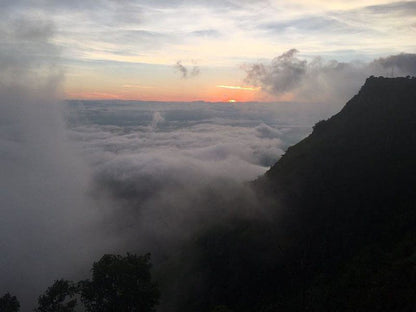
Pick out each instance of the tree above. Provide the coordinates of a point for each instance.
(120, 284)
(9, 303)
(58, 298)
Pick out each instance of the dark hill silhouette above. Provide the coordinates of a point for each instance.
(349, 192)
(342, 231)
(357, 168)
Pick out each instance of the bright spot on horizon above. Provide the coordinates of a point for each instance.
(232, 101)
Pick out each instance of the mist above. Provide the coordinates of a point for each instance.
(47, 222)
(109, 185)
(171, 169)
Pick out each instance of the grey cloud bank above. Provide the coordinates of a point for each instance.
(170, 168)
(328, 83)
(47, 223)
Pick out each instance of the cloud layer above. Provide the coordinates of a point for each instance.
(170, 168)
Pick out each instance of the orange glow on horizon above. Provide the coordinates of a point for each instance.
(170, 95)
(110, 96)
(207, 95)
(181, 91)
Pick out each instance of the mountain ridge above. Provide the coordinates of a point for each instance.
(338, 231)
(349, 186)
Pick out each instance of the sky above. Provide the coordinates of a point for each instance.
(171, 50)
(138, 167)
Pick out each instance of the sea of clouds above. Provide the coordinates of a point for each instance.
(169, 168)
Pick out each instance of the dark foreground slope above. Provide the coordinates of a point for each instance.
(349, 192)
(340, 232)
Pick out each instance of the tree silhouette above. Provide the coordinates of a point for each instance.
(120, 284)
(9, 303)
(58, 298)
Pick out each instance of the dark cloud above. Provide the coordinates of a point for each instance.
(185, 72)
(329, 84)
(181, 69)
(283, 74)
(398, 8)
(400, 64)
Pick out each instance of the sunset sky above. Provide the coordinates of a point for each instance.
(173, 50)
(227, 87)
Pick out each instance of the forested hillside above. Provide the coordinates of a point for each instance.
(340, 232)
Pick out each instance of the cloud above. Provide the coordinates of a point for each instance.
(139, 31)
(400, 64)
(283, 74)
(314, 25)
(207, 33)
(265, 131)
(157, 119)
(185, 72)
(342, 22)
(172, 168)
(238, 88)
(47, 221)
(402, 8)
(326, 83)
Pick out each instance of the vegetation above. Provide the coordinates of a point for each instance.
(118, 284)
(9, 303)
(58, 298)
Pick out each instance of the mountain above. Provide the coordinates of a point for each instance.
(348, 192)
(340, 226)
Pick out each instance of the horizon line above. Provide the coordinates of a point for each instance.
(174, 101)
